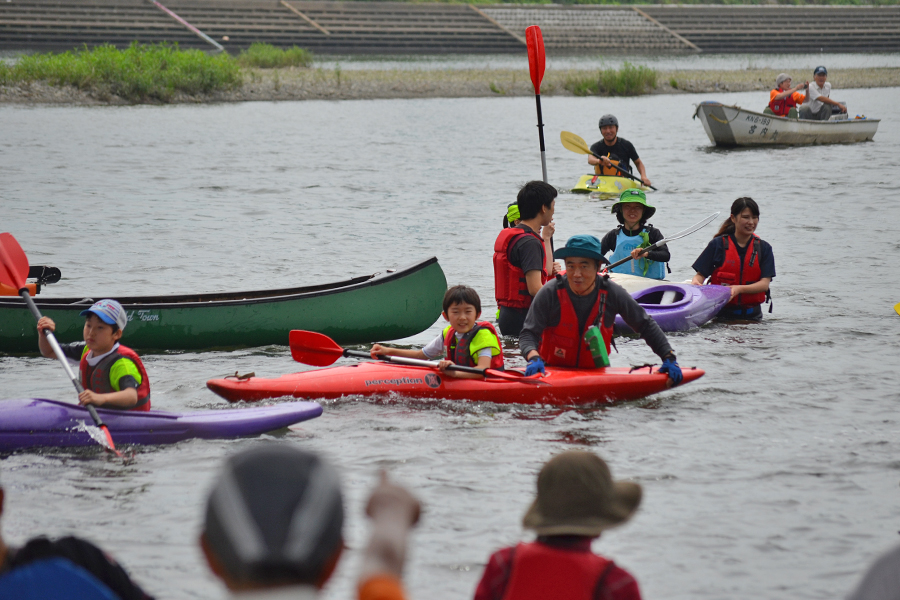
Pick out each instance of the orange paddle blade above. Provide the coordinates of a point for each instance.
(313, 348)
(537, 60)
(13, 262)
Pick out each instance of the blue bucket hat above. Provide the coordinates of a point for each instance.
(583, 246)
(108, 311)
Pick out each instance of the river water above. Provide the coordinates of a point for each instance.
(776, 475)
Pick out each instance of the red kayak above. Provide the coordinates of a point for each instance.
(558, 386)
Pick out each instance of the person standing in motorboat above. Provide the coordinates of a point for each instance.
(736, 257)
(615, 150)
(633, 235)
(567, 307)
(784, 98)
(522, 263)
(819, 106)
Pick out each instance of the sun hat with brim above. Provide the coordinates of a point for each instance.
(782, 77)
(584, 246)
(576, 495)
(108, 311)
(633, 195)
(275, 514)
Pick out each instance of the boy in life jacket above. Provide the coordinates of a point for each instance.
(466, 341)
(577, 500)
(634, 234)
(522, 262)
(783, 98)
(567, 306)
(113, 375)
(738, 258)
(615, 150)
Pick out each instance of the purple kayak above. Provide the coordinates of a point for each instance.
(678, 306)
(33, 422)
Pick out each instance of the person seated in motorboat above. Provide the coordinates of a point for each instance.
(567, 307)
(112, 374)
(633, 235)
(273, 528)
(522, 263)
(577, 500)
(783, 99)
(466, 341)
(819, 106)
(615, 150)
(68, 567)
(736, 257)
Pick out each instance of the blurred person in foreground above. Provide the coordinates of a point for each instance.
(68, 568)
(577, 500)
(882, 580)
(273, 527)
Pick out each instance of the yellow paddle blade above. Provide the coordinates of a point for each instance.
(572, 142)
(897, 308)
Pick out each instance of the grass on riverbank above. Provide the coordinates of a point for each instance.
(139, 73)
(630, 80)
(267, 56)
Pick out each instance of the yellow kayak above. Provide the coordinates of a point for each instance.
(606, 186)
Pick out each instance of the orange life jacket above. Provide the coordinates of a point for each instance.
(564, 345)
(540, 572)
(604, 170)
(458, 350)
(510, 287)
(735, 272)
(96, 378)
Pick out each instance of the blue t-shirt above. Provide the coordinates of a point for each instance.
(713, 257)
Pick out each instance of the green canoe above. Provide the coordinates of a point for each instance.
(383, 306)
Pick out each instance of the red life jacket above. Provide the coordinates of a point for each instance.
(783, 106)
(458, 350)
(540, 571)
(510, 287)
(734, 272)
(96, 378)
(563, 345)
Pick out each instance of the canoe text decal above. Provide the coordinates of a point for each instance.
(142, 315)
(398, 381)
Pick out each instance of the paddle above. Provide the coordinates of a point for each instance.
(577, 144)
(537, 60)
(319, 350)
(664, 241)
(13, 272)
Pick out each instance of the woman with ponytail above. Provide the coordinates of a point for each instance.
(738, 258)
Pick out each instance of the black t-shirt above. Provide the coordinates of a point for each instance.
(527, 253)
(622, 150)
(713, 257)
(84, 554)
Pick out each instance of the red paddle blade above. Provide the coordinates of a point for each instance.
(109, 441)
(311, 348)
(13, 262)
(536, 58)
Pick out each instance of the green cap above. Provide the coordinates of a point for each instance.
(633, 195)
(512, 213)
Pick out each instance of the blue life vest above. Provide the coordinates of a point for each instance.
(53, 578)
(640, 267)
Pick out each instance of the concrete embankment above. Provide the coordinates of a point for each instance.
(317, 84)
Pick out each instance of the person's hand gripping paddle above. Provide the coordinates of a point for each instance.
(14, 272)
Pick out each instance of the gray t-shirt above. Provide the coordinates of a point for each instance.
(545, 312)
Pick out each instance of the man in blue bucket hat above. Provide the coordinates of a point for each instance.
(567, 307)
(113, 375)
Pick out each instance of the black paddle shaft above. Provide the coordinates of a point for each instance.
(387, 358)
(624, 172)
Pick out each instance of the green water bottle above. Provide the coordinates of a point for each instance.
(595, 342)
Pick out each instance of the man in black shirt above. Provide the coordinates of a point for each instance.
(613, 148)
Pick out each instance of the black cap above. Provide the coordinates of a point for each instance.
(275, 515)
(820, 71)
